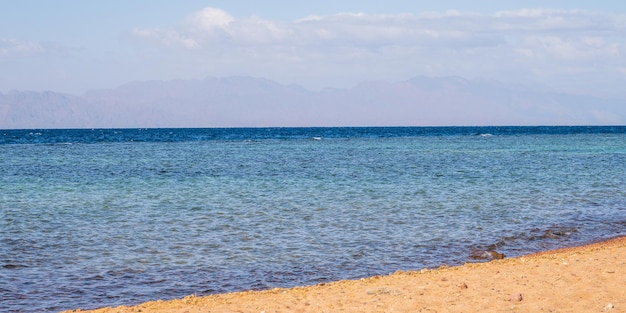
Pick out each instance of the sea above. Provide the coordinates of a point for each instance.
(107, 217)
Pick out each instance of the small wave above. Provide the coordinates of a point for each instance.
(486, 135)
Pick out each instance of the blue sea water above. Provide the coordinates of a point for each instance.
(106, 217)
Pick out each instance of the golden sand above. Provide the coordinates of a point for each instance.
(590, 278)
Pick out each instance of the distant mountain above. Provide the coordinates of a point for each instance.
(28, 109)
(252, 102)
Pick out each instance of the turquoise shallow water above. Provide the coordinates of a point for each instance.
(92, 218)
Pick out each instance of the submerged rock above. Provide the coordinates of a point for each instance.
(486, 255)
(495, 255)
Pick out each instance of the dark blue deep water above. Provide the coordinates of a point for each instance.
(105, 217)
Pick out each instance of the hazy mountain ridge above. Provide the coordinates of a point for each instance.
(28, 109)
(248, 101)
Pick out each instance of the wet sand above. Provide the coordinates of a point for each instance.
(589, 278)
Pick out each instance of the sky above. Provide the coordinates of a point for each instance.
(73, 46)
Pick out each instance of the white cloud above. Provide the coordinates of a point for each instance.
(214, 26)
(210, 19)
(19, 48)
(538, 44)
(573, 49)
(255, 31)
(169, 38)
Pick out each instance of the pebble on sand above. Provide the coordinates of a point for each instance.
(516, 297)
(608, 307)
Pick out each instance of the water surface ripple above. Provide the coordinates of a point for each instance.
(92, 218)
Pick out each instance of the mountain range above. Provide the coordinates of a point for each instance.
(257, 102)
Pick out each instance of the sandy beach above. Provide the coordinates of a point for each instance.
(590, 278)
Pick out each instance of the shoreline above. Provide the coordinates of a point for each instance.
(587, 278)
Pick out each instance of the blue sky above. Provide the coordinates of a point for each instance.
(73, 46)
